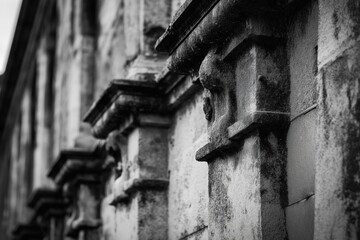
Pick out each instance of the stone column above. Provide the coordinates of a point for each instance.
(337, 185)
(49, 207)
(79, 173)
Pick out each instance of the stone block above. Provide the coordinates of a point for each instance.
(300, 220)
(301, 161)
(337, 167)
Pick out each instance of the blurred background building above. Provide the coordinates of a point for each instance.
(174, 119)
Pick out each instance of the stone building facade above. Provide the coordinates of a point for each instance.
(174, 119)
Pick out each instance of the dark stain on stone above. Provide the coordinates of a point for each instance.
(354, 13)
(335, 20)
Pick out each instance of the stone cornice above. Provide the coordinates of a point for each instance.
(185, 20)
(73, 162)
(214, 24)
(116, 88)
(47, 202)
(126, 104)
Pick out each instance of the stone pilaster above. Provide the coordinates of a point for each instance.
(136, 111)
(84, 49)
(246, 88)
(49, 207)
(337, 187)
(79, 173)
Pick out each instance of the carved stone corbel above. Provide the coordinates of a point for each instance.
(79, 173)
(220, 108)
(49, 207)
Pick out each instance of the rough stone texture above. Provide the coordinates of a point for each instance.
(337, 165)
(188, 187)
(234, 208)
(337, 186)
(147, 154)
(244, 191)
(302, 52)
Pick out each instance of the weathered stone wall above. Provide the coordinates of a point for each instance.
(301, 136)
(258, 141)
(188, 188)
(337, 166)
(20, 165)
(110, 56)
(67, 89)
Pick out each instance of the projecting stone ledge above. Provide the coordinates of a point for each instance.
(73, 162)
(126, 104)
(199, 23)
(138, 184)
(47, 202)
(240, 129)
(121, 103)
(256, 120)
(29, 231)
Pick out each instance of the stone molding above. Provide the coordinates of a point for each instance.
(213, 23)
(119, 104)
(76, 161)
(28, 232)
(47, 202)
(126, 104)
(240, 129)
(185, 20)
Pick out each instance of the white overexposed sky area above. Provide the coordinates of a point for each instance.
(9, 10)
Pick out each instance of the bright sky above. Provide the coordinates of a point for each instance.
(8, 17)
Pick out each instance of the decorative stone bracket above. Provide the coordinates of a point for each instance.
(79, 173)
